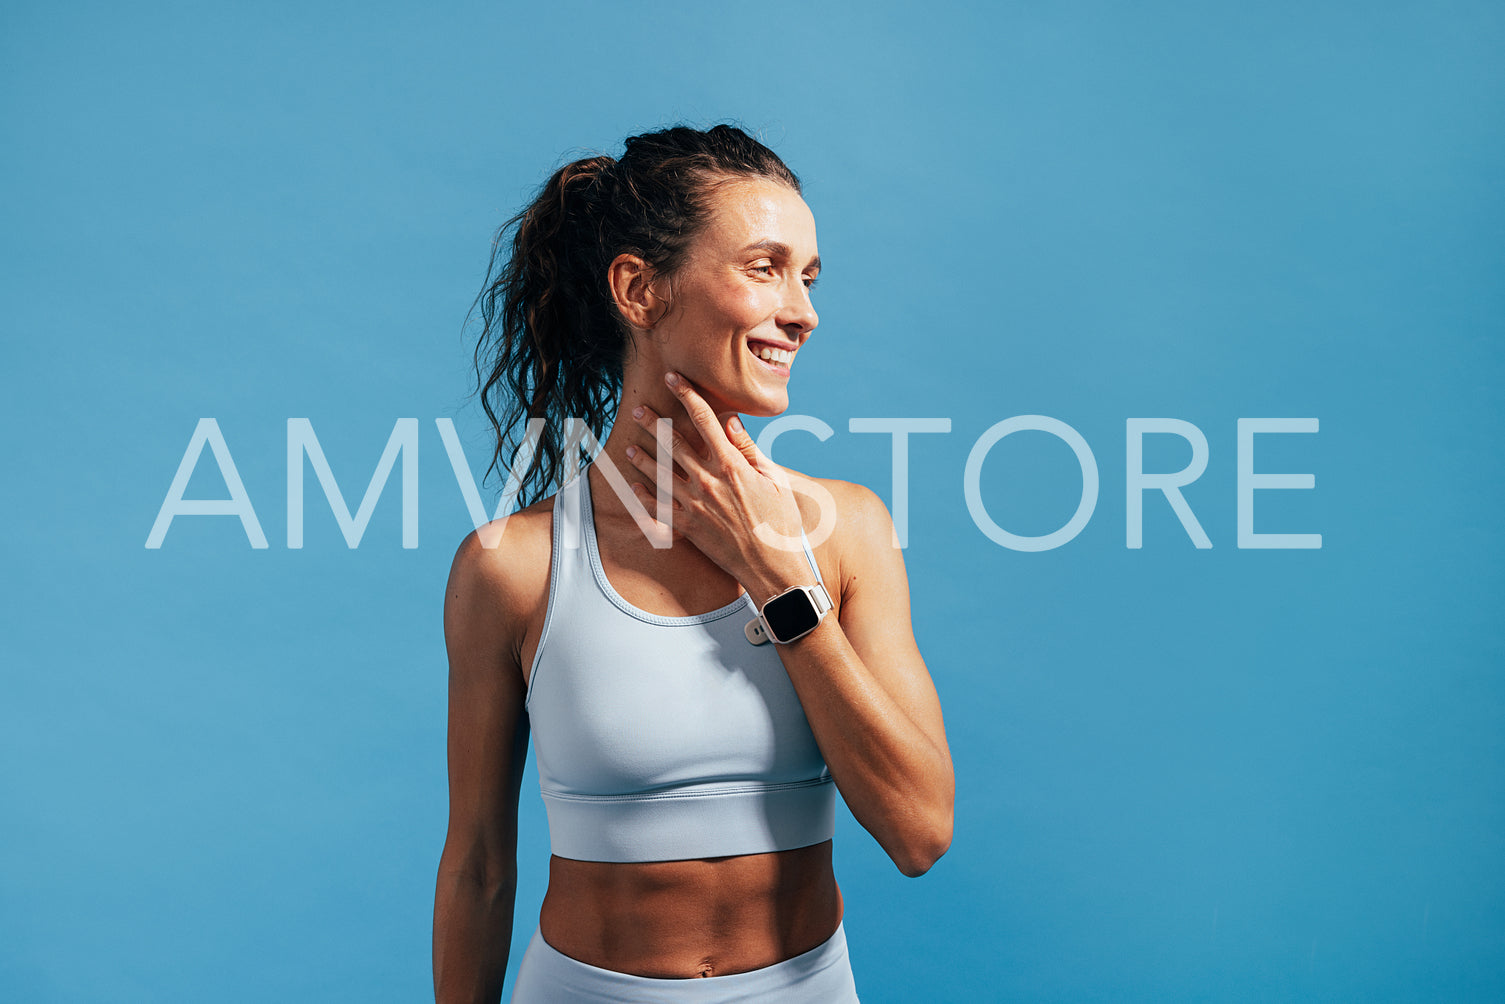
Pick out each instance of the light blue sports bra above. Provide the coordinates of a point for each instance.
(663, 738)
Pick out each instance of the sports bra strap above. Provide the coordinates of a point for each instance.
(810, 557)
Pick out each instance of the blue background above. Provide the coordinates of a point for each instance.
(1183, 774)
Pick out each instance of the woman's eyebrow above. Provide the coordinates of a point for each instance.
(781, 249)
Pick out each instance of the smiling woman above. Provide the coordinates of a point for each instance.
(697, 689)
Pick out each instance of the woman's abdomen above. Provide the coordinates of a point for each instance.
(705, 917)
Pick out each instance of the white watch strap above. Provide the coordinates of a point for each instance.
(810, 557)
(822, 598)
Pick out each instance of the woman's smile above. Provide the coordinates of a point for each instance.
(775, 358)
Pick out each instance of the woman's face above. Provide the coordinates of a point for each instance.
(742, 294)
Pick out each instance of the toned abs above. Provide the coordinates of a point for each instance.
(707, 917)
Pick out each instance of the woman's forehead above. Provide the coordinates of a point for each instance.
(749, 211)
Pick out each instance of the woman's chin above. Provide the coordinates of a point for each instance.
(754, 405)
(765, 406)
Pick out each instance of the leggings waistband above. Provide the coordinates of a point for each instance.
(822, 975)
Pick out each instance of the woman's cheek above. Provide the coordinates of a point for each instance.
(739, 296)
(749, 305)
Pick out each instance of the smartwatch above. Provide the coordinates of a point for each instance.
(790, 615)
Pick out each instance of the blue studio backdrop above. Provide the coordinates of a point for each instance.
(1194, 311)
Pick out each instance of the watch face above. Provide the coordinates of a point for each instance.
(790, 615)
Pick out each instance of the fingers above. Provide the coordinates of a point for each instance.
(666, 439)
(658, 532)
(701, 415)
(658, 468)
(742, 442)
(656, 501)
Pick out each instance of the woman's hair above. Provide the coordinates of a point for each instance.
(552, 344)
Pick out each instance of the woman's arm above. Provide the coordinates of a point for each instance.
(488, 737)
(866, 692)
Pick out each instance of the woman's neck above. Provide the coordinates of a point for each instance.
(628, 431)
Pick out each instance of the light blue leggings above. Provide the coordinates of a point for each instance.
(822, 975)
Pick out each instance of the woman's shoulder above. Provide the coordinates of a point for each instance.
(858, 549)
(846, 505)
(844, 520)
(506, 561)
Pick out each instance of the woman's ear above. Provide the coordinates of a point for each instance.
(635, 288)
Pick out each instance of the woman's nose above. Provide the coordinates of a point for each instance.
(797, 311)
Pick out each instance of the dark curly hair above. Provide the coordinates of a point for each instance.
(552, 344)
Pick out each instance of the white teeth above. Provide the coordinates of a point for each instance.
(772, 354)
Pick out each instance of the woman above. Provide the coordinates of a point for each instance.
(687, 759)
